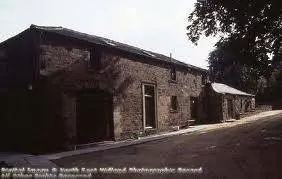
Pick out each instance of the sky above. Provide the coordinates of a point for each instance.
(155, 25)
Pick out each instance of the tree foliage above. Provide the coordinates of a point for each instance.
(248, 54)
(256, 22)
(227, 64)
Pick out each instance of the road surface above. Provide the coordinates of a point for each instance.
(251, 150)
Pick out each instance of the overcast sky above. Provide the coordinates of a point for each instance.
(155, 25)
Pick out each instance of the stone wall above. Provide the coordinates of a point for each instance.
(64, 70)
(218, 105)
(55, 58)
(129, 108)
(16, 75)
(65, 62)
(261, 108)
(240, 105)
(122, 75)
(215, 103)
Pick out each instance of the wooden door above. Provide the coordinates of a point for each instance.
(194, 107)
(230, 108)
(94, 116)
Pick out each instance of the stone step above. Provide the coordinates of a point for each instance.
(191, 122)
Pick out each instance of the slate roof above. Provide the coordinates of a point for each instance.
(107, 42)
(223, 89)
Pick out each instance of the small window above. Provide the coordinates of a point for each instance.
(95, 59)
(174, 103)
(173, 73)
(195, 83)
(204, 79)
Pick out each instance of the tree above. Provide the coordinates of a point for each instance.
(228, 64)
(274, 90)
(258, 23)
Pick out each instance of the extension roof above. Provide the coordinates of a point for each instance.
(225, 89)
(113, 44)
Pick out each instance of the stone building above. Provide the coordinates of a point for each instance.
(226, 102)
(61, 88)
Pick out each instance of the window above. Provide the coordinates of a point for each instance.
(149, 91)
(95, 59)
(174, 103)
(204, 79)
(230, 110)
(149, 106)
(195, 83)
(173, 73)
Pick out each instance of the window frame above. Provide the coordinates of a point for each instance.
(173, 75)
(144, 95)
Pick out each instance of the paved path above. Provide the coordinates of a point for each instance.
(44, 160)
(192, 129)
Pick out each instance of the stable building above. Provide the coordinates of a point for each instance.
(226, 102)
(61, 88)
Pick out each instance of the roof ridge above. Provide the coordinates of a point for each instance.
(45, 27)
(106, 41)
